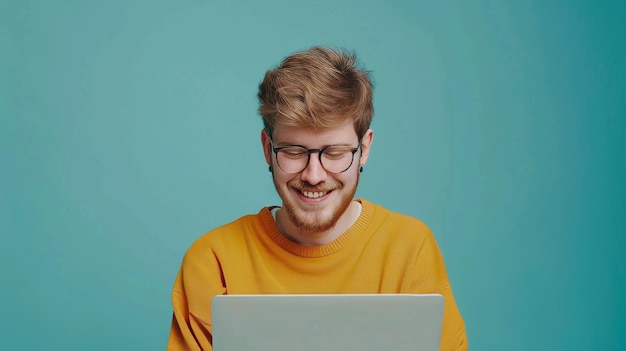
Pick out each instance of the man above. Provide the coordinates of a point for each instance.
(316, 109)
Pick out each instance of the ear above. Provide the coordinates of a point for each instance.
(366, 144)
(267, 146)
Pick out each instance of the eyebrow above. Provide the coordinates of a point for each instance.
(288, 144)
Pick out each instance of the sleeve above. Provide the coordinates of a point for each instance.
(432, 277)
(198, 281)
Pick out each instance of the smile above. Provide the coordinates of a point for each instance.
(313, 194)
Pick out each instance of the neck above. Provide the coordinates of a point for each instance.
(293, 233)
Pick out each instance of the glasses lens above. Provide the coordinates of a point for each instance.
(337, 159)
(292, 159)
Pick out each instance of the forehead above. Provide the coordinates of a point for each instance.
(285, 135)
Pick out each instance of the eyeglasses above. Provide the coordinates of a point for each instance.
(334, 159)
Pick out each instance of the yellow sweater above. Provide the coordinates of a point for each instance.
(383, 252)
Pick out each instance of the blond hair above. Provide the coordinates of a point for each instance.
(319, 89)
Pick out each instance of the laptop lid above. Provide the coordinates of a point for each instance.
(391, 322)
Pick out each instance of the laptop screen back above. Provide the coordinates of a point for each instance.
(393, 322)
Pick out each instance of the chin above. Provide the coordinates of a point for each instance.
(318, 217)
(313, 223)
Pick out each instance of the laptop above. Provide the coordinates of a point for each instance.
(369, 322)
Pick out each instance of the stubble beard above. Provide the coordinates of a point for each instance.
(314, 220)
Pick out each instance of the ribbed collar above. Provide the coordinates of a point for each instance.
(352, 233)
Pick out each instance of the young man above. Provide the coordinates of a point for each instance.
(316, 109)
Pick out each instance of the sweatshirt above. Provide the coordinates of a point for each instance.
(382, 252)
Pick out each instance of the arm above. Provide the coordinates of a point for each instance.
(198, 281)
(432, 277)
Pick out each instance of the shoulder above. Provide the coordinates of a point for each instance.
(233, 234)
(383, 215)
(396, 225)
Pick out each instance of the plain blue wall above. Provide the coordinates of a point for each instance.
(129, 128)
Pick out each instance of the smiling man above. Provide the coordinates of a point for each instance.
(317, 109)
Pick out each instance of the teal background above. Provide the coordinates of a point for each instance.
(129, 128)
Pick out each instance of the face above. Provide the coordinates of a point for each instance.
(315, 199)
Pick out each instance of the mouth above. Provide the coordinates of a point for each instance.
(313, 195)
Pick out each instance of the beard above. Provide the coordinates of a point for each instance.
(316, 218)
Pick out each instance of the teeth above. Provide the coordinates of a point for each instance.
(313, 194)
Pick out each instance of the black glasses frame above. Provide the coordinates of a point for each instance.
(275, 150)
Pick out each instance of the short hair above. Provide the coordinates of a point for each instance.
(319, 88)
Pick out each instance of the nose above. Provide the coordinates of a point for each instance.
(314, 173)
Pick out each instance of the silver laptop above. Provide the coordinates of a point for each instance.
(389, 322)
